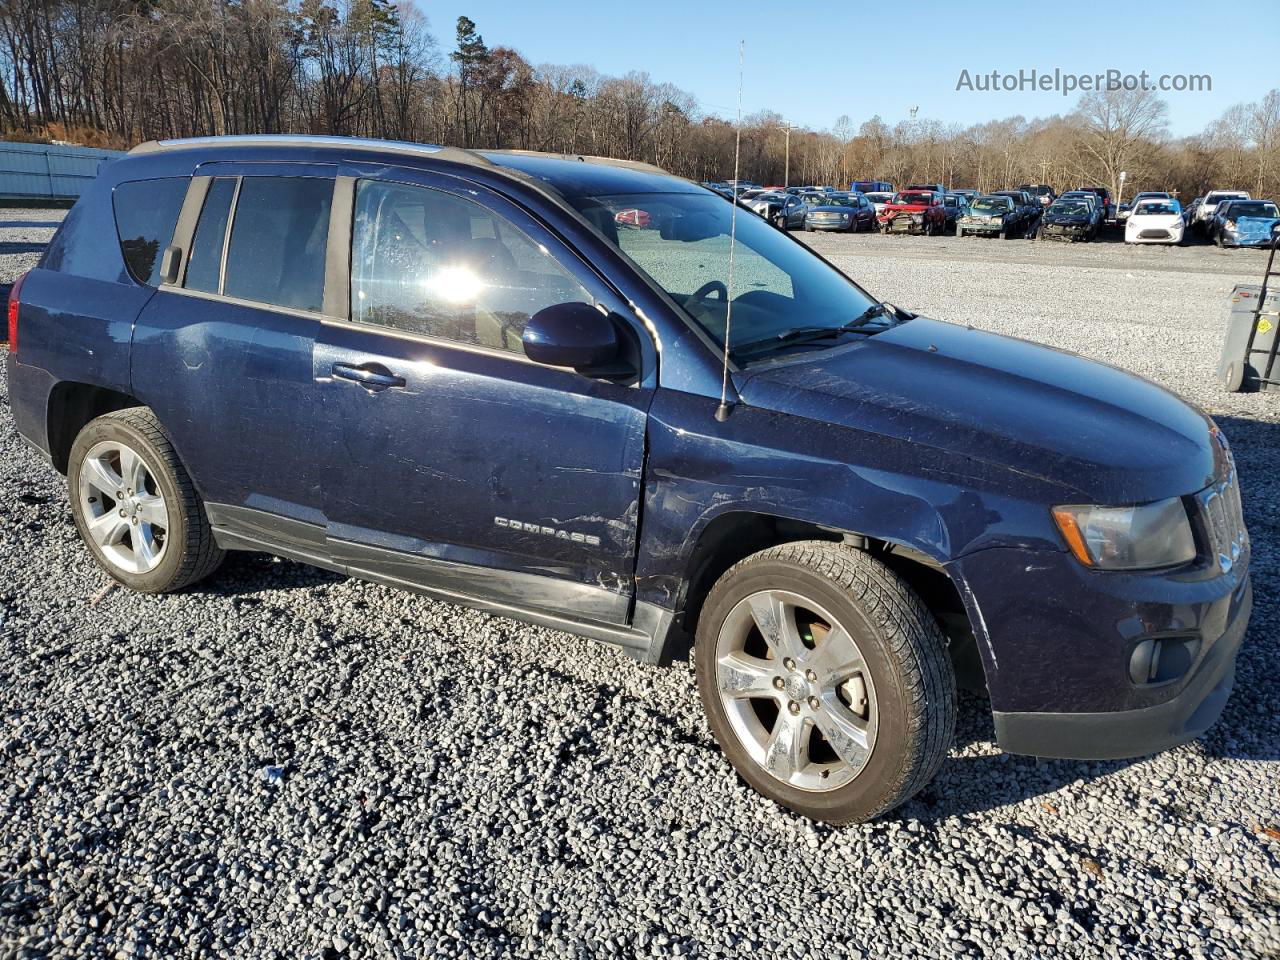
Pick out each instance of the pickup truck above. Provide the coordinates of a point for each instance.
(454, 372)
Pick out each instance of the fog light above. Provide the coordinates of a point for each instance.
(1161, 660)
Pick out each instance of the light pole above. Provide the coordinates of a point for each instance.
(786, 159)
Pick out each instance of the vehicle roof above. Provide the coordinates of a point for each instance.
(570, 175)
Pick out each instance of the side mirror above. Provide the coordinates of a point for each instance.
(570, 335)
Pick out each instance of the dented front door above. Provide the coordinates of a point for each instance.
(470, 469)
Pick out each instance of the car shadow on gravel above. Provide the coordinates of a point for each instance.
(10, 248)
(246, 573)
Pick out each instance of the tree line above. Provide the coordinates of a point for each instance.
(118, 72)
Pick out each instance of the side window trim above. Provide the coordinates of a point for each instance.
(226, 237)
(185, 229)
(337, 268)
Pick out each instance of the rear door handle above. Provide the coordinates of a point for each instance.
(372, 376)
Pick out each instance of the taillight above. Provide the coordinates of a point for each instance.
(14, 294)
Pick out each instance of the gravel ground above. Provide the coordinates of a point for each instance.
(283, 762)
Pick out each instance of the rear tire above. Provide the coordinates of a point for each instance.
(150, 532)
(848, 709)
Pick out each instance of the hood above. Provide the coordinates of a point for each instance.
(905, 207)
(1066, 218)
(1081, 431)
(1256, 228)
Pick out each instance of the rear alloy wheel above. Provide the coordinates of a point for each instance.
(135, 506)
(825, 680)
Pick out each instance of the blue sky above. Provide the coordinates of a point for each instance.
(816, 61)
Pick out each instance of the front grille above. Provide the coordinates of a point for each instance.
(1224, 521)
(1154, 234)
(826, 216)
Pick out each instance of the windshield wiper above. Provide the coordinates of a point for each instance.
(811, 333)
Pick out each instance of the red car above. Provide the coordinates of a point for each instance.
(632, 218)
(914, 211)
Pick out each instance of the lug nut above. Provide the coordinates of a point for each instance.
(779, 683)
(813, 703)
(134, 520)
(793, 707)
(810, 676)
(122, 513)
(789, 663)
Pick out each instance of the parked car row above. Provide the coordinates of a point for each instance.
(1228, 218)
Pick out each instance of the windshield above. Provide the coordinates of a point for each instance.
(1152, 208)
(778, 285)
(1070, 208)
(917, 199)
(992, 205)
(1251, 208)
(878, 197)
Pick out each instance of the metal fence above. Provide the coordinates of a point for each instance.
(42, 171)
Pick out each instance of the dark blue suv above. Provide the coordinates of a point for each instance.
(502, 379)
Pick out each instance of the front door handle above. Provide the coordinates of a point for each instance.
(371, 376)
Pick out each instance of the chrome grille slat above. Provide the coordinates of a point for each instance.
(1221, 509)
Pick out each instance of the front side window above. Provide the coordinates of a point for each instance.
(779, 287)
(432, 263)
(146, 213)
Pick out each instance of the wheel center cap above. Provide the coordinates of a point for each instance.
(796, 687)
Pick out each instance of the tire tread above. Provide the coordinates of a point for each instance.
(917, 643)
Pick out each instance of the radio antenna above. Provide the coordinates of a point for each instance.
(722, 411)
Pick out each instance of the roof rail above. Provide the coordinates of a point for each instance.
(584, 158)
(456, 154)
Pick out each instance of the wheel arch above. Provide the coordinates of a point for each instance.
(70, 407)
(735, 535)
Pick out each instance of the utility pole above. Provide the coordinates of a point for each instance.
(786, 158)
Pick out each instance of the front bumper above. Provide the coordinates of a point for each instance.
(981, 227)
(841, 225)
(901, 224)
(1064, 231)
(1154, 235)
(1059, 643)
(1107, 735)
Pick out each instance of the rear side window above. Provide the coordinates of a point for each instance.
(278, 242)
(146, 212)
(204, 267)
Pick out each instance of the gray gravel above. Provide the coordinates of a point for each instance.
(283, 762)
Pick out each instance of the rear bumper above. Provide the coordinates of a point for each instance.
(1138, 732)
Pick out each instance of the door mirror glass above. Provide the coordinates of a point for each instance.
(573, 335)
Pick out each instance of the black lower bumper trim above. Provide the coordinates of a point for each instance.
(1134, 733)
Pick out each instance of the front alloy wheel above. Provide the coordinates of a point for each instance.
(796, 690)
(825, 680)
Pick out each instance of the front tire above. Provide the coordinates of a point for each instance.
(135, 505)
(825, 680)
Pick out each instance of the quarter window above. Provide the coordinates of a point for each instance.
(146, 213)
(432, 263)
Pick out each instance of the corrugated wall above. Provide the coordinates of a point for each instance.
(48, 171)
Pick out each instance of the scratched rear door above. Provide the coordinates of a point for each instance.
(453, 461)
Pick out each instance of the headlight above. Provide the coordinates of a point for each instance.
(1128, 538)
